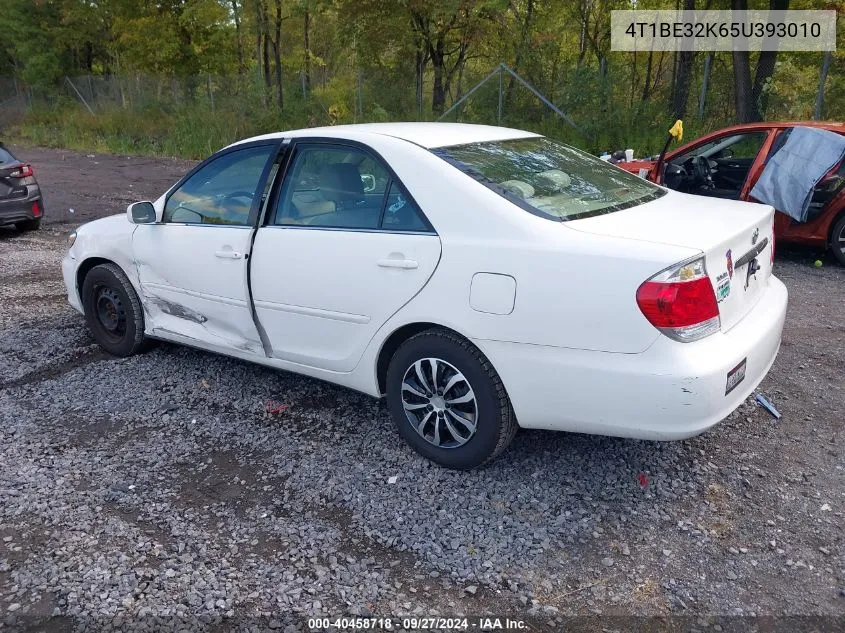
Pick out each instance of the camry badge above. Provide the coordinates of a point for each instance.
(730, 264)
(754, 236)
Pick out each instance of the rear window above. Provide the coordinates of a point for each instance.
(6, 156)
(550, 179)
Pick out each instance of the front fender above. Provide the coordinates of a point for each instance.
(108, 239)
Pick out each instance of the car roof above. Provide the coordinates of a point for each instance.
(425, 134)
(834, 126)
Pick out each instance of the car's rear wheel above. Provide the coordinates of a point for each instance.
(29, 225)
(837, 239)
(112, 310)
(447, 400)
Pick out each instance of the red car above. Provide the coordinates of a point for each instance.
(727, 163)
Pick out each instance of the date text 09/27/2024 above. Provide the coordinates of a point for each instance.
(417, 623)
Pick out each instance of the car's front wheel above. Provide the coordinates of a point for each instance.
(447, 400)
(112, 310)
(837, 240)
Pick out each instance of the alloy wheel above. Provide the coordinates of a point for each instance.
(439, 403)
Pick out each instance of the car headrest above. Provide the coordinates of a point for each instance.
(518, 188)
(341, 183)
(555, 178)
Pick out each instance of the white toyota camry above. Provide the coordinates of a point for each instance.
(480, 278)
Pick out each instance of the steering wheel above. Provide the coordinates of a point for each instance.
(702, 171)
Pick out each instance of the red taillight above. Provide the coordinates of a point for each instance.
(36, 209)
(677, 304)
(24, 172)
(680, 302)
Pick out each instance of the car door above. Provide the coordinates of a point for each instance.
(343, 249)
(826, 196)
(192, 265)
(732, 157)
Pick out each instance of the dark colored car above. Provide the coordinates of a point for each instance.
(20, 197)
(727, 163)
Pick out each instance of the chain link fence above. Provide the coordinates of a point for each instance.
(209, 111)
(593, 108)
(334, 99)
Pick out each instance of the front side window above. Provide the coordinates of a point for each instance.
(345, 188)
(222, 191)
(717, 168)
(744, 146)
(549, 178)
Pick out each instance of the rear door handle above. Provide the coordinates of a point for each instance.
(406, 264)
(228, 254)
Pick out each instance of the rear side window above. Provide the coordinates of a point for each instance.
(400, 213)
(342, 187)
(6, 156)
(550, 179)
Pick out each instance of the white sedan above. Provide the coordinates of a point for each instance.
(481, 278)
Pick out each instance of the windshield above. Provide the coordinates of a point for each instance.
(550, 179)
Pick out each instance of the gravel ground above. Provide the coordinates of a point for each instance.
(133, 491)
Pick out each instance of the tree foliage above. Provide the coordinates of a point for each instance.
(407, 59)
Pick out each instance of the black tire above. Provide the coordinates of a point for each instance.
(837, 239)
(29, 225)
(113, 311)
(495, 422)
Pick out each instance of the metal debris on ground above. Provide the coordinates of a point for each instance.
(768, 406)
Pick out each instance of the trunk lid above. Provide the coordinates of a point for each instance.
(734, 236)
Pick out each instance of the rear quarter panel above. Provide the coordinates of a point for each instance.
(573, 289)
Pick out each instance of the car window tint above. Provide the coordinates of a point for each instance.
(222, 191)
(6, 156)
(400, 213)
(336, 187)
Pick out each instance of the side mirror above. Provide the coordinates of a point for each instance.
(141, 212)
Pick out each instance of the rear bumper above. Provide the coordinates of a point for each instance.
(669, 392)
(20, 209)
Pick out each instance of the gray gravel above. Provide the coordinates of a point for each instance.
(159, 486)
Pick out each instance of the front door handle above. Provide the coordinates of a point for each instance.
(406, 264)
(228, 254)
